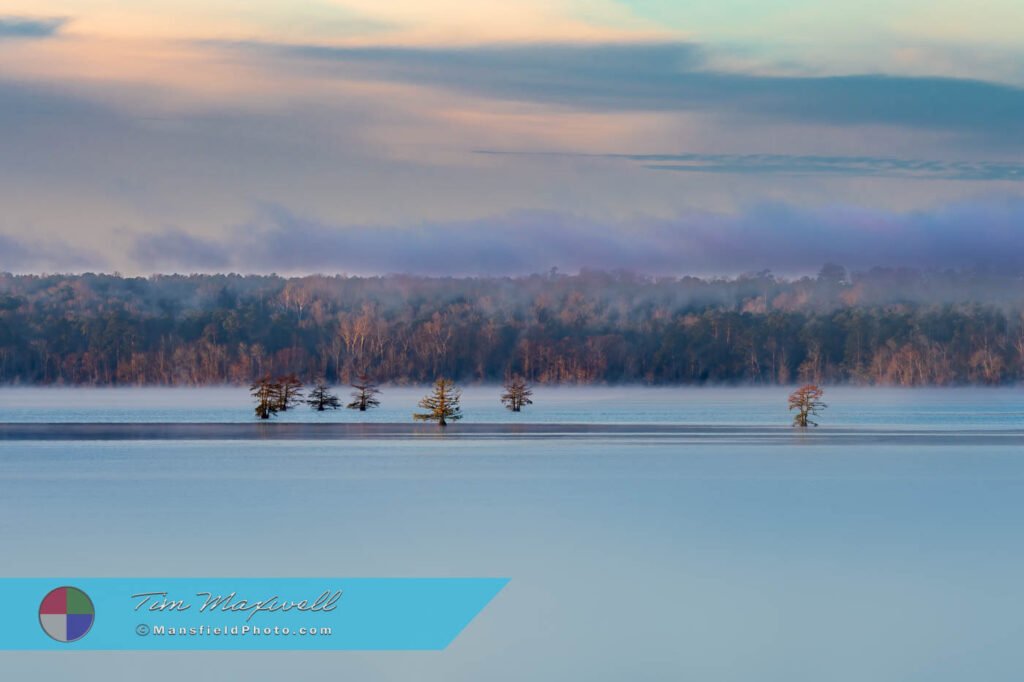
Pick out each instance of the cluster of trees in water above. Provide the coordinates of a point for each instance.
(879, 327)
(280, 394)
(443, 404)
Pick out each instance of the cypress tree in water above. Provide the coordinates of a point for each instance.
(806, 400)
(517, 394)
(442, 405)
(365, 395)
(320, 398)
(267, 393)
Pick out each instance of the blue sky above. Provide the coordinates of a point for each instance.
(698, 137)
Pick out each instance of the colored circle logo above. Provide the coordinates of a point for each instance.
(66, 614)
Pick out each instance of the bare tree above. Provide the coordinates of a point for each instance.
(290, 393)
(365, 395)
(442, 404)
(517, 393)
(806, 400)
(321, 398)
(267, 392)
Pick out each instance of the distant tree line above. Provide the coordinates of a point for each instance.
(898, 327)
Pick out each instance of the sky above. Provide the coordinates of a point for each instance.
(510, 136)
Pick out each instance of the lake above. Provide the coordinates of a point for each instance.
(649, 533)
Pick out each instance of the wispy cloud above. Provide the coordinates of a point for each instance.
(807, 164)
(783, 238)
(29, 27)
(670, 77)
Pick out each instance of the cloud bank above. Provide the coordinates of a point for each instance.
(782, 238)
(29, 255)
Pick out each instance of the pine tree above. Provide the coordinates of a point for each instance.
(806, 400)
(320, 398)
(267, 393)
(442, 404)
(517, 394)
(365, 395)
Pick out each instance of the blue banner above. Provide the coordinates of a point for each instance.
(239, 613)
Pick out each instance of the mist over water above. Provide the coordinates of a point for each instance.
(941, 408)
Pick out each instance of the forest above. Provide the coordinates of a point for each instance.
(883, 326)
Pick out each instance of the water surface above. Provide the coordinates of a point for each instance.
(952, 408)
(884, 546)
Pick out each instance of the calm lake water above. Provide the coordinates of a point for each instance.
(657, 555)
(961, 408)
